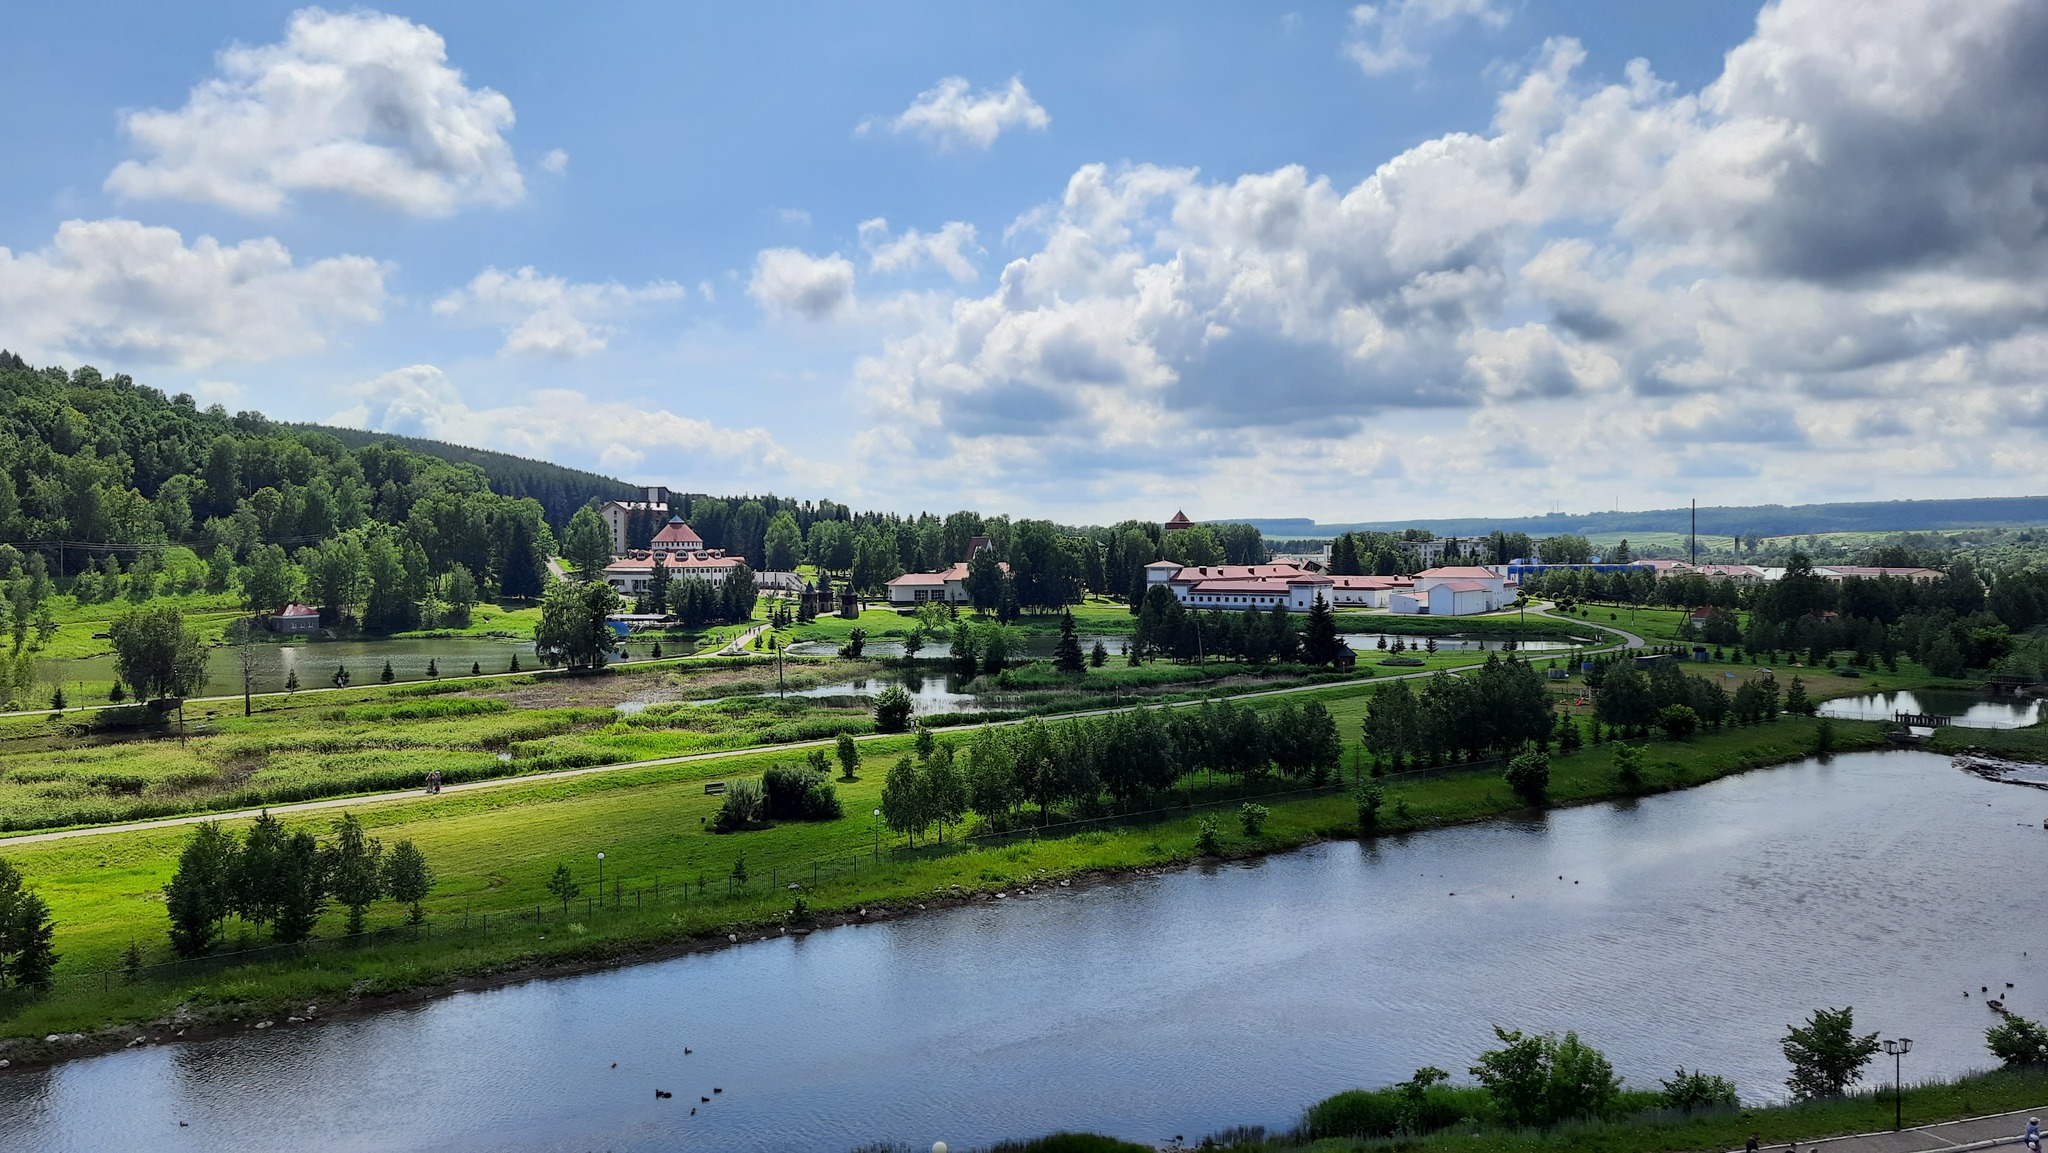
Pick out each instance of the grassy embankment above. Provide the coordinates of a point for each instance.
(494, 851)
(1648, 1129)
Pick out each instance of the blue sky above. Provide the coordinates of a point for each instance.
(1348, 261)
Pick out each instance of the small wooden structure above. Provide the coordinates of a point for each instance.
(1923, 720)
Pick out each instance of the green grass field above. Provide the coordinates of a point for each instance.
(494, 850)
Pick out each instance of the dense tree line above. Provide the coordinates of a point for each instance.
(1960, 621)
(1009, 774)
(285, 880)
(1500, 707)
(1168, 629)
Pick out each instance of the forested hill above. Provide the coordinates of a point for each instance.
(1719, 520)
(93, 465)
(560, 491)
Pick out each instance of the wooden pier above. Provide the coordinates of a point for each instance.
(1923, 720)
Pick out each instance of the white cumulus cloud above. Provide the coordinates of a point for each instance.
(127, 291)
(559, 423)
(1712, 283)
(358, 103)
(948, 248)
(549, 315)
(791, 282)
(950, 115)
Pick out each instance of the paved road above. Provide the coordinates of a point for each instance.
(1628, 641)
(1974, 1133)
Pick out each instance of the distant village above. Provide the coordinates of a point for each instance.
(1291, 581)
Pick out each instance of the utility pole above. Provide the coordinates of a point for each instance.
(1695, 532)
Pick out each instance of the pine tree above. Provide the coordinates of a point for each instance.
(26, 932)
(1066, 656)
(291, 681)
(1319, 638)
(387, 676)
(476, 668)
(433, 668)
(201, 893)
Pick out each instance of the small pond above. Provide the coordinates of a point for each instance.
(1371, 641)
(87, 678)
(1033, 646)
(1970, 710)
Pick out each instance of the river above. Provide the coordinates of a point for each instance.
(1684, 929)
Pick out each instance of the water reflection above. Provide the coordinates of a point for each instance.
(1969, 710)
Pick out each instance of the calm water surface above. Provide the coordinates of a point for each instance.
(1969, 709)
(1687, 929)
(315, 662)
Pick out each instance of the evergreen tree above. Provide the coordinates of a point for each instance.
(26, 933)
(387, 675)
(1066, 655)
(1319, 639)
(587, 543)
(202, 890)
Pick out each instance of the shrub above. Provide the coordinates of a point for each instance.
(1252, 817)
(2018, 1041)
(892, 710)
(1370, 795)
(1824, 737)
(1697, 1090)
(1541, 1080)
(1678, 721)
(742, 808)
(1206, 841)
(1529, 776)
(798, 793)
(1629, 760)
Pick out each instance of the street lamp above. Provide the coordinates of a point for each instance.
(1898, 1049)
(600, 876)
(878, 836)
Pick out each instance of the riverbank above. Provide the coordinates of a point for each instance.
(495, 851)
(2003, 1095)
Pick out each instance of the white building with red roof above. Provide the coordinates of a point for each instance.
(948, 586)
(1367, 592)
(633, 573)
(1240, 587)
(676, 537)
(1455, 591)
